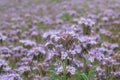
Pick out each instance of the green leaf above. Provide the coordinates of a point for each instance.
(84, 76)
(92, 72)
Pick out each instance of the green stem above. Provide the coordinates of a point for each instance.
(65, 71)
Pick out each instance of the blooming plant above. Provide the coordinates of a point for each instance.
(59, 40)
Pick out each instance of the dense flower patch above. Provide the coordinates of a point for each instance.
(60, 40)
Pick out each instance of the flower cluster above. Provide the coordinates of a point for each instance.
(59, 39)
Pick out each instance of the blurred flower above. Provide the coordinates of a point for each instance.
(64, 55)
(23, 69)
(2, 37)
(110, 45)
(78, 63)
(11, 76)
(3, 63)
(27, 42)
(71, 70)
(59, 70)
(86, 22)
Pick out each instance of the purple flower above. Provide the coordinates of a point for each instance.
(11, 76)
(71, 70)
(27, 42)
(59, 70)
(86, 22)
(23, 69)
(2, 37)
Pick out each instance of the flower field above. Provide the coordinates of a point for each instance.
(59, 39)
